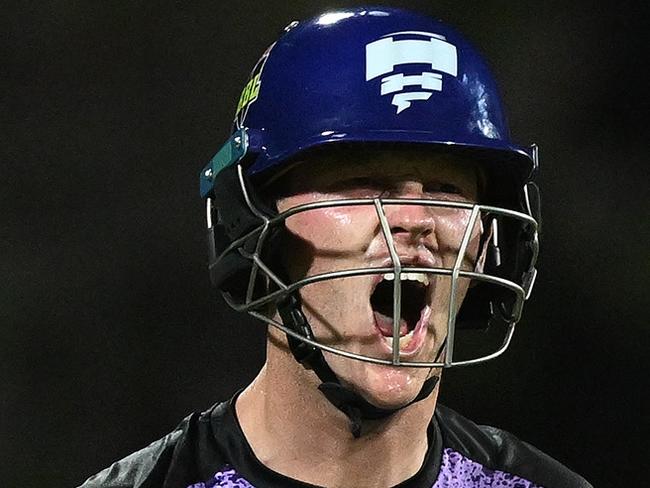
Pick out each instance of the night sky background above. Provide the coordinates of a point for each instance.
(109, 332)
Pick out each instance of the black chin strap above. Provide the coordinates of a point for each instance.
(353, 405)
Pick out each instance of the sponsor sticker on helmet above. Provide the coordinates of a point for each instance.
(251, 90)
(391, 55)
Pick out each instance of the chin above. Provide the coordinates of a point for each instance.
(390, 386)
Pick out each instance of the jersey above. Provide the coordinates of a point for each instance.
(209, 450)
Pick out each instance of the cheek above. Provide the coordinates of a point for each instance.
(335, 309)
(450, 229)
(333, 229)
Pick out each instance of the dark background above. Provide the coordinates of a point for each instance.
(108, 331)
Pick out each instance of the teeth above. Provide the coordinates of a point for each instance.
(421, 277)
(403, 341)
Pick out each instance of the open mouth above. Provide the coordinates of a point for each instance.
(414, 311)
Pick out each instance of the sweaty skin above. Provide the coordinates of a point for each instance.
(282, 406)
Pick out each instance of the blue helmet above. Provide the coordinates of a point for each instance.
(365, 75)
(372, 74)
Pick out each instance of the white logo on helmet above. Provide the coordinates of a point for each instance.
(385, 54)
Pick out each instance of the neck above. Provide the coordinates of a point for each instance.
(283, 408)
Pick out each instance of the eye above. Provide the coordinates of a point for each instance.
(444, 188)
(356, 183)
(361, 181)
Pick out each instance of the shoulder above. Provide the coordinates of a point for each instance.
(136, 469)
(165, 461)
(482, 447)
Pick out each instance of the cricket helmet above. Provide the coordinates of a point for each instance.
(369, 76)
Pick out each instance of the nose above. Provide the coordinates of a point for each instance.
(411, 224)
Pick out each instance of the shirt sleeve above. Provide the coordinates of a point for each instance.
(145, 468)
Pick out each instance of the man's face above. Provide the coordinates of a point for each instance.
(356, 313)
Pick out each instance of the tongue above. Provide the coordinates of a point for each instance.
(385, 325)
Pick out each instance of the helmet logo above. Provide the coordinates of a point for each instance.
(251, 90)
(410, 48)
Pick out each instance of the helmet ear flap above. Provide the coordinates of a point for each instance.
(234, 212)
(508, 250)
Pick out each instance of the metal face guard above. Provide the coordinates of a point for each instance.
(276, 289)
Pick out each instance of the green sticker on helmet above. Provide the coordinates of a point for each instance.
(251, 90)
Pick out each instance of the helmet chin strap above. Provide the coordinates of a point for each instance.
(353, 405)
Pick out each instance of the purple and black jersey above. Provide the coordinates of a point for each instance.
(209, 450)
(456, 471)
